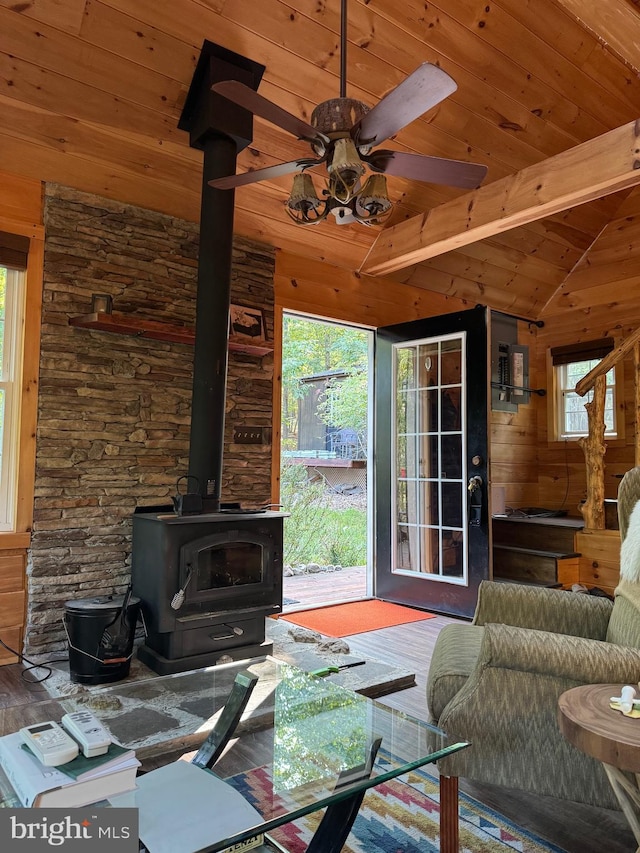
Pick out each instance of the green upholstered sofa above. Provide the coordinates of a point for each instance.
(496, 681)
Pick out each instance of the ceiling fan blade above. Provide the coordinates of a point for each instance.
(433, 170)
(246, 97)
(421, 90)
(229, 182)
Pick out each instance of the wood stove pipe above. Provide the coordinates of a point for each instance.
(212, 324)
(220, 129)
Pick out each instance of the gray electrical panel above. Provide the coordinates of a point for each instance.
(509, 365)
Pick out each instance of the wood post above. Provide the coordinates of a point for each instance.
(594, 449)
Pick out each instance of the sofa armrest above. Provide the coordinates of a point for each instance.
(582, 660)
(543, 609)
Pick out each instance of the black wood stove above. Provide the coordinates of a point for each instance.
(208, 574)
(207, 583)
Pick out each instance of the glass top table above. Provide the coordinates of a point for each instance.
(314, 744)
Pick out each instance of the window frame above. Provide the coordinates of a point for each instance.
(11, 373)
(555, 416)
(29, 241)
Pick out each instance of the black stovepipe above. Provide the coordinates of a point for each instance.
(212, 322)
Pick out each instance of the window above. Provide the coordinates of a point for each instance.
(12, 291)
(570, 365)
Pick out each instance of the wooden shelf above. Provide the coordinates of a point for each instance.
(123, 324)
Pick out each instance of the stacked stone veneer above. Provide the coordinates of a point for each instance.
(114, 410)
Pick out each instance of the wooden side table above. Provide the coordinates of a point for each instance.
(591, 725)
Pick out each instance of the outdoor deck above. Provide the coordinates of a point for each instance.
(314, 590)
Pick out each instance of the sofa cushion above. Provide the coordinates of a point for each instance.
(624, 624)
(454, 657)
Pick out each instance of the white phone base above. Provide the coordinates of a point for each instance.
(49, 743)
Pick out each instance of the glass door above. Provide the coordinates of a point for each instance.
(432, 543)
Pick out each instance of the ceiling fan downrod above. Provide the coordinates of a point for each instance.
(343, 48)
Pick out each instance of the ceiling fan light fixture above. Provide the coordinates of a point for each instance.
(303, 204)
(303, 196)
(373, 199)
(345, 169)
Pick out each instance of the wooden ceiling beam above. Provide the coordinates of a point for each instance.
(596, 168)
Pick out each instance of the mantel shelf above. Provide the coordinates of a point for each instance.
(123, 324)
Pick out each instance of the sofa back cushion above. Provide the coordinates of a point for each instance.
(624, 624)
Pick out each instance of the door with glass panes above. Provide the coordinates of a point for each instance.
(431, 447)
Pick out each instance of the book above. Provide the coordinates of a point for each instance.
(40, 786)
(81, 768)
(183, 807)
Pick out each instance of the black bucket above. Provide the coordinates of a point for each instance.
(101, 632)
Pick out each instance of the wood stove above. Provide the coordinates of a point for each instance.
(208, 575)
(207, 582)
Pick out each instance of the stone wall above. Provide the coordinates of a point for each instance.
(114, 410)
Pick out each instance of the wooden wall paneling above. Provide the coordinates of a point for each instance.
(76, 99)
(34, 160)
(507, 281)
(43, 46)
(173, 164)
(562, 64)
(606, 295)
(529, 264)
(12, 568)
(151, 48)
(467, 289)
(11, 609)
(614, 22)
(478, 94)
(21, 202)
(12, 636)
(328, 291)
(64, 14)
(437, 25)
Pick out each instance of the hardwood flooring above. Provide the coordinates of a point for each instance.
(573, 827)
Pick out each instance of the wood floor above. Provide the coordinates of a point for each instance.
(574, 828)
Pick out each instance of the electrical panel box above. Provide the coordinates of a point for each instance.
(509, 365)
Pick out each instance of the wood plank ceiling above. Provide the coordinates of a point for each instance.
(92, 90)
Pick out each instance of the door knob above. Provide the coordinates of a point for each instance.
(475, 483)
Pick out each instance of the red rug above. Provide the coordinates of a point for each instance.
(341, 620)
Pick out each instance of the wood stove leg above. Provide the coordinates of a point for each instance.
(449, 823)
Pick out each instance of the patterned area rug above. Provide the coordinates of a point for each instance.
(403, 817)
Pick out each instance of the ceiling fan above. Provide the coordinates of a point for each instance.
(343, 133)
